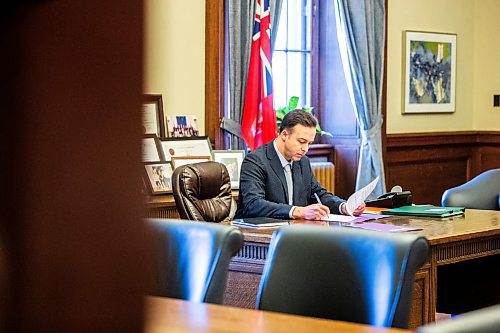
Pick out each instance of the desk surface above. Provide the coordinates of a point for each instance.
(171, 315)
(475, 223)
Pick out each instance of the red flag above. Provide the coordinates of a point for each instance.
(258, 125)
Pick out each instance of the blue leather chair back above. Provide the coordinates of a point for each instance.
(481, 192)
(192, 258)
(342, 273)
(486, 320)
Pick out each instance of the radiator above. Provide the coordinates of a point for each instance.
(325, 174)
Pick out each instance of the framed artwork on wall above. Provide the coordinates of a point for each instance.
(429, 72)
(181, 147)
(153, 120)
(151, 149)
(182, 126)
(177, 161)
(159, 177)
(232, 159)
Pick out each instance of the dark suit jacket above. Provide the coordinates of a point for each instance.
(263, 190)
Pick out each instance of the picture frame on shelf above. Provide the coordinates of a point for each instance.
(189, 146)
(178, 161)
(232, 159)
(151, 149)
(429, 72)
(153, 119)
(181, 126)
(159, 177)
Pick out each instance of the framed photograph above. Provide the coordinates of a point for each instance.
(177, 161)
(232, 159)
(182, 126)
(151, 149)
(181, 147)
(159, 177)
(429, 72)
(153, 120)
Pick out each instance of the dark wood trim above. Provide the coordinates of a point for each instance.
(214, 70)
(315, 84)
(323, 150)
(384, 97)
(430, 139)
(429, 163)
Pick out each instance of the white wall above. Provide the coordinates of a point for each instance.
(448, 16)
(174, 55)
(174, 62)
(486, 64)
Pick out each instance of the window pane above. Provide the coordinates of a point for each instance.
(280, 43)
(279, 79)
(296, 24)
(291, 58)
(296, 77)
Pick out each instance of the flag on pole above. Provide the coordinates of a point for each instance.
(258, 125)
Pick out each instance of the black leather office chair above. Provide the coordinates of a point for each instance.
(486, 320)
(202, 192)
(481, 192)
(191, 259)
(342, 273)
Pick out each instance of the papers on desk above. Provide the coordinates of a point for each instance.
(360, 196)
(352, 219)
(259, 222)
(361, 223)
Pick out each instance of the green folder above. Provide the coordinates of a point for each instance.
(425, 210)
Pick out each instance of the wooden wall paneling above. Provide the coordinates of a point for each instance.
(334, 105)
(346, 168)
(214, 71)
(429, 163)
(488, 152)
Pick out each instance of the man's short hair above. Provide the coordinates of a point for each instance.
(298, 117)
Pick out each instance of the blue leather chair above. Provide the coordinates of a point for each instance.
(481, 192)
(191, 259)
(342, 273)
(486, 320)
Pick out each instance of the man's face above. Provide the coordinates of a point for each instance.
(297, 141)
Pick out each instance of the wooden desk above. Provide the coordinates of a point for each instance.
(172, 316)
(452, 240)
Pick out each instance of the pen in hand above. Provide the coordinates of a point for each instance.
(319, 202)
(317, 198)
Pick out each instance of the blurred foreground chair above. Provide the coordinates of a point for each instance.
(191, 259)
(481, 192)
(342, 273)
(486, 320)
(202, 192)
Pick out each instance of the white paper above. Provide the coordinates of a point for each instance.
(339, 218)
(360, 196)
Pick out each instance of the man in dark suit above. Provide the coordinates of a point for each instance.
(279, 168)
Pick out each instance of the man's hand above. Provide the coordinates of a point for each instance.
(311, 212)
(358, 211)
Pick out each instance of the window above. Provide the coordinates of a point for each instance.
(291, 59)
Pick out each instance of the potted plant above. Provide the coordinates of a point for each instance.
(292, 105)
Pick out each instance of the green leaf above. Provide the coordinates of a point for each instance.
(292, 104)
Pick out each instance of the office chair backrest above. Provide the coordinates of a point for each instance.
(486, 320)
(481, 192)
(202, 192)
(191, 259)
(342, 273)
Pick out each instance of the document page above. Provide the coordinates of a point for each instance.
(360, 196)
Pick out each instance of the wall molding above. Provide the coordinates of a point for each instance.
(429, 163)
